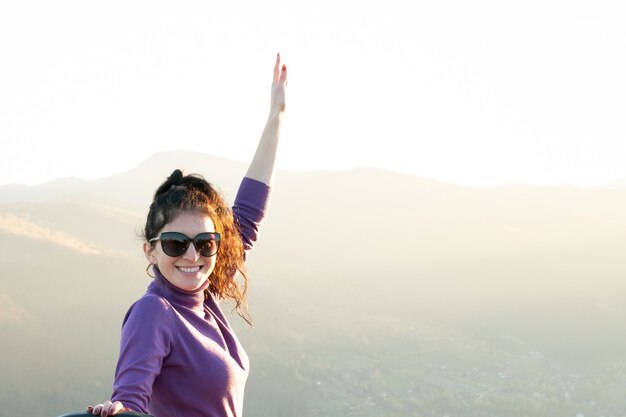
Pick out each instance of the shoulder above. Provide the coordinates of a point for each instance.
(149, 322)
(150, 307)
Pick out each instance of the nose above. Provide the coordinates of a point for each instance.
(191, 254)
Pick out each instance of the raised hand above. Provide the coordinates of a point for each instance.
(263, 163)
(279, 84)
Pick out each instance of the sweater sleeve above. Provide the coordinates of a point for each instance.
(250, 209)
(146, 341)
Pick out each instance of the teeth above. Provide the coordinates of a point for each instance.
(192, 269)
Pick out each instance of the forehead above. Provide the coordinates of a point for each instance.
(190, 223)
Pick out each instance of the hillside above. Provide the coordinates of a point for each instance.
(373, 293)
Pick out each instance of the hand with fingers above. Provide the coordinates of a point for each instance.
(262, 167)
(107, 408)
(279, 85)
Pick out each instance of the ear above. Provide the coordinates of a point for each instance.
(148, 250)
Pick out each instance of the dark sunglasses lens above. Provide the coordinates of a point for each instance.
(174, 244)
(206, 245)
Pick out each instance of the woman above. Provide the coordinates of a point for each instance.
(179, 356)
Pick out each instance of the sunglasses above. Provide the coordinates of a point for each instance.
(175, 244)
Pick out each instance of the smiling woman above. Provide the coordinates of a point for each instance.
(179, 355)
(189, 206)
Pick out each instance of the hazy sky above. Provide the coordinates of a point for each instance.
(479, 93)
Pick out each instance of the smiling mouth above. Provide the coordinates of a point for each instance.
(190, 269)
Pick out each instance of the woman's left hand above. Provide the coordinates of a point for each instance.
(279, 84)
(262, 165)
(106, 409)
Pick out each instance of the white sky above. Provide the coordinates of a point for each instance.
(478, 93)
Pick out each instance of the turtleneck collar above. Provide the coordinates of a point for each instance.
(190, 299)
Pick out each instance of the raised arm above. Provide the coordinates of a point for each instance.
(263, 163)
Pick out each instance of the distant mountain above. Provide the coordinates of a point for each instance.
(373, 293)
(121, 188)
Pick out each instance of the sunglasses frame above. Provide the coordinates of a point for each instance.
(214, 236)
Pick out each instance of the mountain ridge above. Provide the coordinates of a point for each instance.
(196, 162)
(373, 293)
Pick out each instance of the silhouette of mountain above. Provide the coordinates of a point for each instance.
(373, 293)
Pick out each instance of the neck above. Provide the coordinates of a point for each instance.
(191, 299)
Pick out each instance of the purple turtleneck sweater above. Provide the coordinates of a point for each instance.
(179, 357)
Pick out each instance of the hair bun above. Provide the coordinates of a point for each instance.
(176, 177)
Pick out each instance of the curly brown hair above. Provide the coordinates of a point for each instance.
(183, 193)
